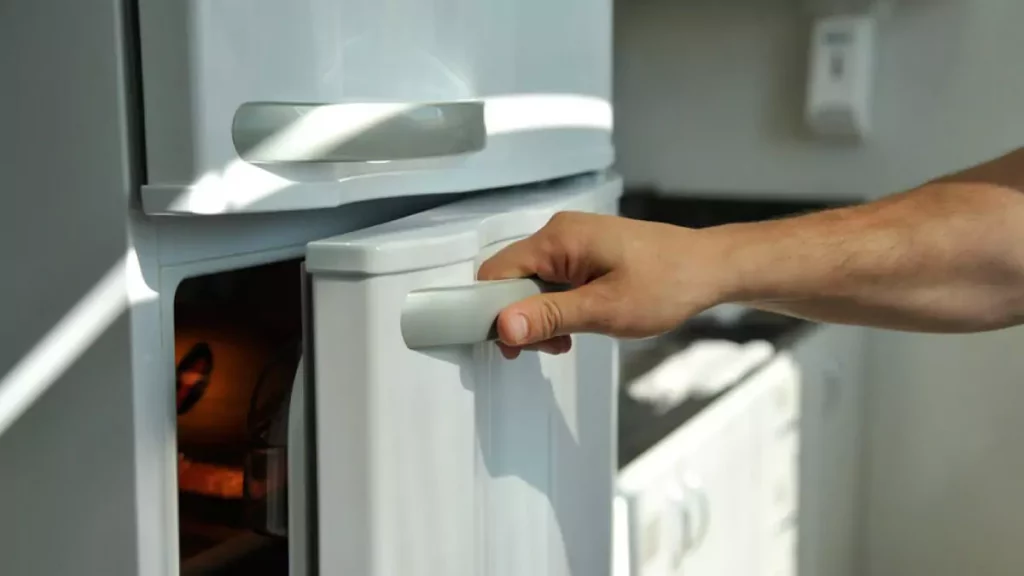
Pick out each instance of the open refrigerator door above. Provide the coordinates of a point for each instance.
(442, 457)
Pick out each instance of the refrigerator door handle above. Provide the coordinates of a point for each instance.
(463, 315)
(281, 132)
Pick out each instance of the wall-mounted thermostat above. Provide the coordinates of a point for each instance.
(839, 82)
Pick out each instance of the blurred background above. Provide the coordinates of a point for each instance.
(710, 99)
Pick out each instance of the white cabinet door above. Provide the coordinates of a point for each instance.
(449, 460)
(715, 497)
(777, 433)
(262, 105)
(830, 361)
(693, 497)
(705, 501)
(718, 481)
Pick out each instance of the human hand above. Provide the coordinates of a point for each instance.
(630, 278)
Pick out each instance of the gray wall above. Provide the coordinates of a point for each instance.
(946, 462)
(709, 96)
(66, 468)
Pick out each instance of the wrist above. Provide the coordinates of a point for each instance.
(727, 254)
(752, 262)
(804, 257)
(706, 266)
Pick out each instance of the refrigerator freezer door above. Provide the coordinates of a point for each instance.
(449, 460)
(267, 105)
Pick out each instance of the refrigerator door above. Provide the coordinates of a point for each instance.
(267, 105)
(436, 455)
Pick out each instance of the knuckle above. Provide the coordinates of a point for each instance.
(563, 222)
(564, 233)
(563, 248)
(558, 247)
(552, 318)
(559, 218)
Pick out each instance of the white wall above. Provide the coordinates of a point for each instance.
(947, 460)
(709, 97)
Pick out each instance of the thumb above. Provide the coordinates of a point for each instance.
(545, 316)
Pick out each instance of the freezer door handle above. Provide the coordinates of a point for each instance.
(281, 132)
(463, 315)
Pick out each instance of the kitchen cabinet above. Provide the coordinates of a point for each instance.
(717, 495)
(717, 484)
(832, 386)
(764, 479)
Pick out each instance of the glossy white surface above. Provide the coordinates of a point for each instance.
(456, 461)
(542, 70)
(458, 231)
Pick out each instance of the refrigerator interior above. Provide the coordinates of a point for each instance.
(238, 337)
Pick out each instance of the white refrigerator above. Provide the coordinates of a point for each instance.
(383, 147)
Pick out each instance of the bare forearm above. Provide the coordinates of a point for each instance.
(947, 257)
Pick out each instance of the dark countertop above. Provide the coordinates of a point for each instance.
(702, 212)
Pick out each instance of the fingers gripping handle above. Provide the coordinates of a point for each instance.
(463, 315)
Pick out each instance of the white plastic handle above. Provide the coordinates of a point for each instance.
(278, 132)
(463, 315)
